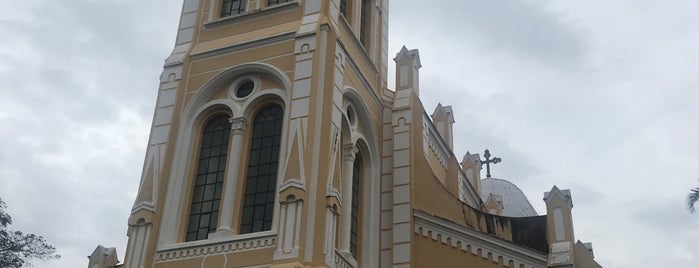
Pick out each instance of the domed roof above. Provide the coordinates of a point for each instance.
(514, 202)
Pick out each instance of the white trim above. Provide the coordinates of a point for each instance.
(330, 235)
(371, 179)
(233, 88)
(465, 238)
(209, 247)
(193, 112)
(292, 183)
(313, 187)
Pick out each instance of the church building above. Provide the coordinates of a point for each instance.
(276, 142)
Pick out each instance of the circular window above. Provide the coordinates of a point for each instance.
(244, 89)
(351, 116)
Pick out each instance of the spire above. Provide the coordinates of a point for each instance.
(471, 166)
(103, 257)
(443, 119)
(559, 221)
(407, 70)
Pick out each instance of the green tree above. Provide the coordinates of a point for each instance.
(17, 248)
(692, 198)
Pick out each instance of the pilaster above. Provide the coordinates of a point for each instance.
(401, 122)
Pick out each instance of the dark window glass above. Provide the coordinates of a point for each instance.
(364, 27)
(343, 7)
(206, 193)
(232, 7)
(244, 89)
(276, 2)
(356, 203)
(261, 181)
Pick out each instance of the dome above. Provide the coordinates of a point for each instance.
(514, 202)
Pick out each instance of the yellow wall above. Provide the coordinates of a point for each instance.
(431, 253)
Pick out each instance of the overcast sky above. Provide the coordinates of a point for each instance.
(597, 96)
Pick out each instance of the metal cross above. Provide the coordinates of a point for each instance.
(488, 161)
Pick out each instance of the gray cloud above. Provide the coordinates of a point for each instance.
(612, 120)
(524, 28)
(599, 100)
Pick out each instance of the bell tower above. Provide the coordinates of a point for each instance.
(264, 149)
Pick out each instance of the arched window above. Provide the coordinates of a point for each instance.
(232, 7)
(261, 180)
(356, 205)
(211, 167)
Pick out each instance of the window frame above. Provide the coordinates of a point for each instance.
(193, 174)
(243, 180)
(357, 206)
(242, 8)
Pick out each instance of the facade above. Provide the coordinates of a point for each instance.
(277, 143)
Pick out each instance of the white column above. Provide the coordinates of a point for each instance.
(330, 235)
(348, 155)
(282, 224)
(238, 126)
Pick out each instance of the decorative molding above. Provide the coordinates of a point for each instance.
(238, 125)
(255, 79)
(208, 248)
(289, 230)
(295, 183)
(342, 261)
(148, 206)
(475, 243)
(350, 152)
(193, 110)
(334, 193)
(252, 14)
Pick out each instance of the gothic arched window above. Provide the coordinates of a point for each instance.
(356, 205)
(211, 167)
(232, 7)
(261, 181)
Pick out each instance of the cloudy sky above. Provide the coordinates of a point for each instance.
(597, 96)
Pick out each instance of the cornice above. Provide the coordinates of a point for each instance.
(476, 243)
(208, 247)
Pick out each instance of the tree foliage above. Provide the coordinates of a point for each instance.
(17, 248)
(692, 199)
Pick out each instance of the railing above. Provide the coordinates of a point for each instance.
(342, 261)
(435, 141)
(217, 246)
